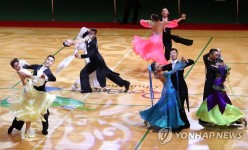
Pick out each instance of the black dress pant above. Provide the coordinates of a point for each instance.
(168, 43)
(45, 124)
(183, 115)
(84, 77)
(19, 124)
(102, 72)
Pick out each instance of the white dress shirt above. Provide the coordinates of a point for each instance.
(164, 19)
(41, 71)
(174, 63)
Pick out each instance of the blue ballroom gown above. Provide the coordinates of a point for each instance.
(165, 113)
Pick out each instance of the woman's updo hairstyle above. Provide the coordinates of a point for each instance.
(13, 62)
(153, 68)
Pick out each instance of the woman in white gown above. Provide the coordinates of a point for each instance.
(30, 105)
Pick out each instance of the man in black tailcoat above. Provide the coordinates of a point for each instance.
(167, 37)
(211, 71)
(179, 83)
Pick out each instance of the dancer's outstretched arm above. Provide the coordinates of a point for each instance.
(187, 62)
(146, 23)
(83, 32)
(177, 67)
(183, 17)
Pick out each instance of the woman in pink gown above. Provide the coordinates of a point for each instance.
(153, 48)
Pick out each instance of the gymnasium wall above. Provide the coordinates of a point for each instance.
(198, 11)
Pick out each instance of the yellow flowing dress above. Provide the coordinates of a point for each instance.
(30, 104)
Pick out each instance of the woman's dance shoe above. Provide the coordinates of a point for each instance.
(28, 135)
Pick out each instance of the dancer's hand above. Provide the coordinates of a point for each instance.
(76, 55)
(43, 76)
(214, 66)
(184, 59)
(183, 16)
(219, 50)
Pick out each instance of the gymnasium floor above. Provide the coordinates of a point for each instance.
(110, 119)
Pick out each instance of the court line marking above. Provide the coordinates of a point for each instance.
(144, 136)
(198, 57)
(147, 131)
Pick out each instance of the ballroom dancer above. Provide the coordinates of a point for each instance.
(152, 48)
(97, 64)
(217, 108)
(179, 82)
(44, 72)
(211, 71)
(32, 104)
(165, 113)
(79, 44)
(167, 37)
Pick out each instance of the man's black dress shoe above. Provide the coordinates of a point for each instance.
(90, 91)
(127, 86)
(44, 132)
(10, 129)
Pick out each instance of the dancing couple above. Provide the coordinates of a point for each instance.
(95, 63)
(217, 108)
(169, 111)
(33, 103)
(161, 40)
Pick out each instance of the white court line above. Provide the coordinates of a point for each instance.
(61, 122)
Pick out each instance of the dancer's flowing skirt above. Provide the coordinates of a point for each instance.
(150, 49)
(217, 109)
(30, 104)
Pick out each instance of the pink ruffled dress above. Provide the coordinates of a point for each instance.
(152, 48)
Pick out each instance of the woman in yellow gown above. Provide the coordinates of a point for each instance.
(30, 105)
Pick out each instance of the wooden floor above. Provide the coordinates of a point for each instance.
(111, 119)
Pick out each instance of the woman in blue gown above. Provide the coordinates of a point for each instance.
(165, 113)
